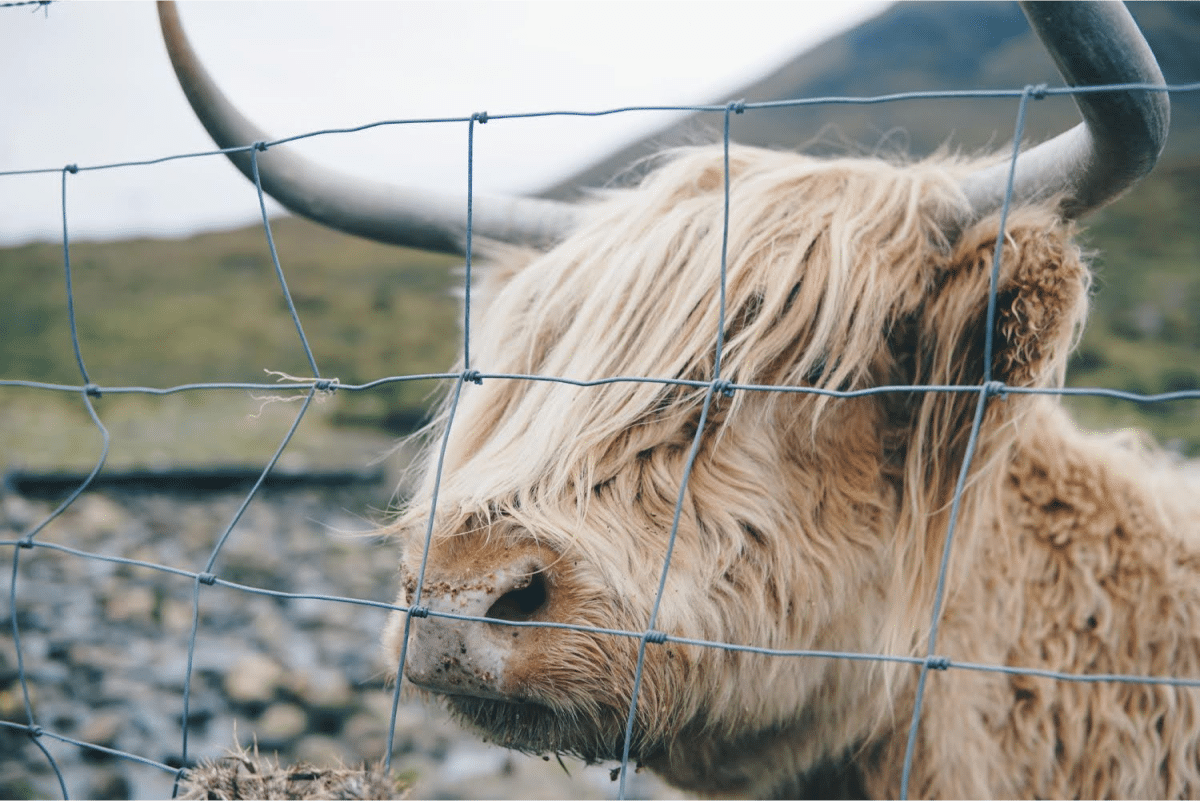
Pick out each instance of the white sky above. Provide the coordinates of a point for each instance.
(89, 83)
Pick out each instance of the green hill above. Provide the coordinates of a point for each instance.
(208, 308)
(161, 313)
(916, 47)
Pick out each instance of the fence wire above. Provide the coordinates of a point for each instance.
(649, 636)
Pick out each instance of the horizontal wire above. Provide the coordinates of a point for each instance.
(764, 105)
(648, 637)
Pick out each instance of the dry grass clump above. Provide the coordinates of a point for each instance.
(246, 774)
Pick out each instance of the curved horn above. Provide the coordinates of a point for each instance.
(384, 212)
(1122, 133)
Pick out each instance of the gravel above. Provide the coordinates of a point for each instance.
(105, 651)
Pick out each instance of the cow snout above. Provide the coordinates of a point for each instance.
(472, 657)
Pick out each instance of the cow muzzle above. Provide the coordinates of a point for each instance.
(454, 656)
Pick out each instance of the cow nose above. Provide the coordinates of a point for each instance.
(523, 601)
(471, 657)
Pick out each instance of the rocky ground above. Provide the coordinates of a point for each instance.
(104, 648)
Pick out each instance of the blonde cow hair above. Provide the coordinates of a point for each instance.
(807, 522)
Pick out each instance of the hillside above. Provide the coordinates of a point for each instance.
(917, 47)
(208, 308)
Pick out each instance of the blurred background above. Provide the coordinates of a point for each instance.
(172, 271)
(173, 284)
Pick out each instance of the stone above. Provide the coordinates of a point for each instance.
(108, 783)
(102, 728)
(271, 627)
(131, 604)
(253, 679)
(97, 515)
(20, 513)
(366, 735)
(468, 760)
(12, 702)
(280, 724)
(176, 615)
(321, 750)
(323, 689)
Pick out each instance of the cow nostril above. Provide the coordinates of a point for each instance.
(521, 603)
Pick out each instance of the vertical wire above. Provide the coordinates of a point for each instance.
(287, 295)
(415, 607)
(467, 374)
(985, 392)
(33, 729)
(994, 278)
(650, 635)
(206, 576)
(88, 391)
(66, 243)
(482, 117)
(987, 389)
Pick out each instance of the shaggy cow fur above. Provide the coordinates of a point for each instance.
(811, 523)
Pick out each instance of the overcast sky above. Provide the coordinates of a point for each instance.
(89, 83)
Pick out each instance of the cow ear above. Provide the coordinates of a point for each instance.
(1041, 302)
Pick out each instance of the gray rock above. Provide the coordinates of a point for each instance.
(253, 679)
(323, 689)
(108, 782)
(21, 514)
(366, 735)
(97, 518)
(130, 604)
(102, 728)
(279, 724)
(319, 749)
(301, 676)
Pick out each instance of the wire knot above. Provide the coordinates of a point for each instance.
(207, 578)
(92, 390)
(725, 388)
(1039, 91)
(480, 117)
(656, 637)
(260, 146)
(71, 168)
(996, 389)
(325, 384)
(418, 611)
(26, 543)
(737, 106)
(474, 376)
(938, 663)
(35, 731)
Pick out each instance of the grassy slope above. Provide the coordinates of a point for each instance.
(209, 308)
(160, 313)
(1144, 330)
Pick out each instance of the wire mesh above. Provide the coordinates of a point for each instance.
(646, 637)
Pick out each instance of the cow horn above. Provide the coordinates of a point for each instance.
(1122, 133)
(384, 212)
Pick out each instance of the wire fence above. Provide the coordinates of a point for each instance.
(647, 637)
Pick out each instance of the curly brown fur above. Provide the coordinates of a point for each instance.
(812, 523)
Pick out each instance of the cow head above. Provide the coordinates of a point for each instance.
(538, 539)
(804, 523)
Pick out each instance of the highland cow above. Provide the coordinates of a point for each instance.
(807, 521)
